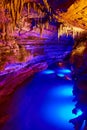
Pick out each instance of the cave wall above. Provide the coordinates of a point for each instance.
(43, 51)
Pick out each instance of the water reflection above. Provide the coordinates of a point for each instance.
(58, 105)
(44, 103)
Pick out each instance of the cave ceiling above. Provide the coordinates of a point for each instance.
(72, 12)
(76, 14)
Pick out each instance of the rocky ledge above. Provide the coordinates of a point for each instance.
(31, 54)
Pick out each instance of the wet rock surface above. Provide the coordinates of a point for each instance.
(29, 54)
(78, 58)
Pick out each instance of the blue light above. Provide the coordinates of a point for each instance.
(60, 75)
(65, 112)
(66, 91)
(65, 71)
(57, 109)
(79, 112)
(83, 125)
(62, 91)
(59, 114)
(48, 72)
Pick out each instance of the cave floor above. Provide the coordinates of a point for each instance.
(44, 103)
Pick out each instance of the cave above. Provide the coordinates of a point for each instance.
(43, 65)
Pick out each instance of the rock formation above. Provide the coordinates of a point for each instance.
(36, 33)
(79, 66)
(28, 42)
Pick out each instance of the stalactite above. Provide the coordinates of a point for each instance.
(34, 5)
(28, 8)
(46, 4)
(15, 10)
(14, 7)
(47, 25)
(69, 30)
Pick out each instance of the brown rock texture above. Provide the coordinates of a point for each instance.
(76, 14)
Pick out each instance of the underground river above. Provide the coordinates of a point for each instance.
(44, 103)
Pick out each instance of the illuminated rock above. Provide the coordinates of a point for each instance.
(79, 74)
(69, 30)
(76, 14)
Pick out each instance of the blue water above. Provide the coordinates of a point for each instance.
(44, 103)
